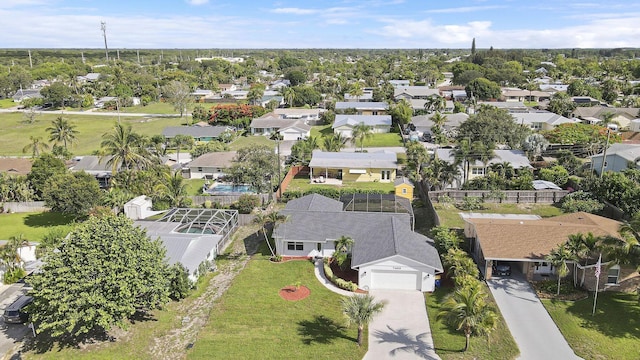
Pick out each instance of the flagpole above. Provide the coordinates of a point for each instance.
(597, 273)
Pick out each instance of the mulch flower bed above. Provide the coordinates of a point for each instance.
(294, 293)
(347, 274)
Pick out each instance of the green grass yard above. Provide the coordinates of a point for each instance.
(449, 214)
(7, 103)
(33, 225)
(152, 108)
(302, 183)
(251, 321)
(449, 343)
(14, 133)
(250, 140)
(612, 333)
(376, 140)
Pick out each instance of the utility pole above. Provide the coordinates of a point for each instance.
(604, 153)
(138, 53)
(30, 61)
(103, 27)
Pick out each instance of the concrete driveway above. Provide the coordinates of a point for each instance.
(402, 330)
(11, 334)
(534, 331)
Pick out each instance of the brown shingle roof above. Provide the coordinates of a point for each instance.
(16, 166)
(534, 239)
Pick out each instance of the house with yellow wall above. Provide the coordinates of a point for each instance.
(404, 187)
(353, 166)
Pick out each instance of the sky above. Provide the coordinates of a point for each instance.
(410, 24)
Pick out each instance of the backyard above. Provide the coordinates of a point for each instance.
(33, 226)
(303, 184)
(612, 333)
(449, 214)
(376, 140)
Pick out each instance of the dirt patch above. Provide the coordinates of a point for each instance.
(294, 293)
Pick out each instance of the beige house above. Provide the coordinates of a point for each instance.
(353, 166)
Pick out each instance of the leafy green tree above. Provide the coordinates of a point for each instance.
(467, 310)
(306, 95)
(103, 274)
(62, 131)
(566, 159)
(401, 113)
(177, 94)
(256, 166)
(207, 147)
(72, 193)
(360, 310)
(561, 104)
(580, 201)
(56, 94)
(289, 95)
(296, 77)
(493, 125)
(179, 283)
(483, 89)
(445, 239)
(556, 174)
(343, 247)
(622, 189)
(417, 157)
(125, 147)
(15, 188)
(361, 132)
(580, 134)
(301, 151)
(255, 94)
(44, 167)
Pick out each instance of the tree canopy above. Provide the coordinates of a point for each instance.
(71, 193)
(256, 166)
(493, 125)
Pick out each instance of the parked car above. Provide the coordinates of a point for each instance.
(502, 269)
(15, 313)
(426, 137)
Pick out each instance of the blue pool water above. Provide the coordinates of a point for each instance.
(229, 188)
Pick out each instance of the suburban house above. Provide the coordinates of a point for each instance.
(511, 106)
(404, 187)
(516, 158)
(344, 124)
(353, 166)
(367, 96)
(519, 95)
(192, 237)
(90, 77)
(363, 108)
(414, 93)
(297, 130)
(619, 157)
(634, 125)
(525, 240)
(23, 94)
(544, 120)
(621, 116)
(290, 129)
(307, 115)
(96, 166)
(15, 166)
(387, 253)
(424, 124)
(210, 165)
(198, 132)
(399, 83)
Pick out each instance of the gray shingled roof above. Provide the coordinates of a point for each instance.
(371, 120)
(402, 180)
(516, 158)
(195, 131)
(314, 202)
(272, 122)
(91, 164)
(453, 120)
(376, 235)
(541, 117)
(630, 152)
(214, 159)
(415, 91)
(379, 160)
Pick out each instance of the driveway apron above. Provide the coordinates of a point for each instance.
(534, 331)
(401, 330)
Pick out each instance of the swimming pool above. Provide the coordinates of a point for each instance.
(229, 188)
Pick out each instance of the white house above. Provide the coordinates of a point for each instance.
(386, 253)
(210, 165)
(516, 158)
(344, 124)
(298, 130)
(543, 120)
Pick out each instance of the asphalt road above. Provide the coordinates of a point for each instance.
(11, 334)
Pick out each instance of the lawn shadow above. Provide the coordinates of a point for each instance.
(321, 330)
(44, 342)
(617, 314)
(47, 219)
(407, 342)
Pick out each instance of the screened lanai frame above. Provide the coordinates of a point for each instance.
(378, 203)
(203, 221)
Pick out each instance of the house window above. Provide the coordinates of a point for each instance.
(199, 169)
(612, 274)
(295, 246)
(536, 126)
(319, 246)
(404, 190)
(386, 174)
(374, 113)
(477, 171)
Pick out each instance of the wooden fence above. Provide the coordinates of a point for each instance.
(507, 196)
(293, 171)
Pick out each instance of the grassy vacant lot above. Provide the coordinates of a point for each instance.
(250, 140)
(253, 322)
(449, 342)
(14, 133)
(449, 217)
(32, 225)
(613, 333)
(301, 183)
(152, 108)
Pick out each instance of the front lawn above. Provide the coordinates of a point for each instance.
(252, 321)
(612, 333)
(449, 343)
(33, 225)
(449, 214)
(302, 183)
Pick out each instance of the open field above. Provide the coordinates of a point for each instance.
(612, 333)
(449, 217)
(33, 225)
(14, 133)
(449, 343)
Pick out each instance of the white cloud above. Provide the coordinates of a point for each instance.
(464, 9)
(295, 11)
(197, 2)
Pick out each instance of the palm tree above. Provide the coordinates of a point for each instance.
(462, 155)
(467, 311)
(334, 143)
(173, 189)
(115, 198)
(289, 95)
(360, 133)
(36, 146)
(581, 247)
(356, 90)
(61, 131)
(360, 310)
(264, 220)
(558, 257)
(343, 247)
(182, 141)
(438, 119)
(124, 147)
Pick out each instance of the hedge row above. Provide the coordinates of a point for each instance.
(341, 283)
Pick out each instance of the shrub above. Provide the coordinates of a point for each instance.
(581, 201)
(12, 276)
(445, 239)
(179, 283)
(246, 203)
(470, 203)
(207, 204)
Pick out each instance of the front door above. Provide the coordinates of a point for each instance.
(543, 268)
(339, 177)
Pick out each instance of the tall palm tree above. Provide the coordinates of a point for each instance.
(462, 155)
(360, 133)
(36, 146)
(289, 95)
(62, 131)
(125, 148)
(182, 142)
(173, 189)
(467, 311)
(334, 143)
(356, 90)
(269, 219)
(558, 257)
(360, 310)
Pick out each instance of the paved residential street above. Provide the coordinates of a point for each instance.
(11, 334)
(402, 330)
(534, 331)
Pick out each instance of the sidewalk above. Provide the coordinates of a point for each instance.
(319, 271)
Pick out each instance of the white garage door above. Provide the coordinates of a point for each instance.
(397, 280)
